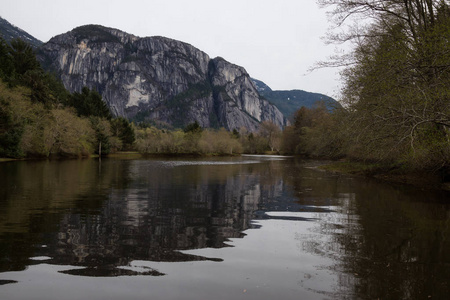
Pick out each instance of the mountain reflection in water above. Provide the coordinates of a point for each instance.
(271, 227)
(103, 217)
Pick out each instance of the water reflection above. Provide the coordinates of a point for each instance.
(386, 241)
(310, 234)
(398, 244)
(101, 217)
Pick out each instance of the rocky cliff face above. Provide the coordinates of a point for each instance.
(157, 79)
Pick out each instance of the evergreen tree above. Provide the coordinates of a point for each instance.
(89, 103)
(103, 133)
(19, 66)
(6, 62)
(23, 57)
(10, 133)
(122, 129)
(193, 128)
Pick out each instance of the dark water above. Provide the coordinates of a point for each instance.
(216, 228)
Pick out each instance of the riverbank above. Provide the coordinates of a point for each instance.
(125, 155)
(422, 179)
(6, 159)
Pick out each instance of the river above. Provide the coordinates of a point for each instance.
(245, 227)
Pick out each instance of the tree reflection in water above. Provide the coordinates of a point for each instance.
(387, 241)
(104, 217)
(378, 240)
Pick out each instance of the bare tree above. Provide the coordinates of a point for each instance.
(272, 133)
(397, 80)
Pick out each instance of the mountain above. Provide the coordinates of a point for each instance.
(261, 87)
(157, 79)
(9, 32)
(288, 102)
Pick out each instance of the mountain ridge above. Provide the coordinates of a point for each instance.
(289, 101)
(223, 90)
(9, 31)
(157, 79)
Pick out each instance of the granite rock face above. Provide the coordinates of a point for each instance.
(158, 80)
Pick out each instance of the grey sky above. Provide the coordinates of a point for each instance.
(275, 41)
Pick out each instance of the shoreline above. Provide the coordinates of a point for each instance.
(422, 179)
(135, 154)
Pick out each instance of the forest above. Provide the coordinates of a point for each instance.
(396, 87)
(39, 118)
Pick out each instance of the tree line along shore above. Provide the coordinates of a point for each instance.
(394, 116)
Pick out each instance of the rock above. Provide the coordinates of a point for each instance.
(156, 79)
(9, 32)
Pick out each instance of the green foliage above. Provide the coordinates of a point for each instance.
(236, 134)
(143, 117)
(103, 134)
(95, 33)
(254, 143)
(122, 129)
(57, 93)
(23, 57)
(89, 103)
(69, 135)
(272, 133)
(219, 142)
(314, 133)
(192, 136)
(193, 128)
(396, 85)
(45, 88)
(10, 133)
(34, 121)
(37, 82)
(6, 61)
(210, 142)
(19, 67)
(402, 89)
(29, 128)
(10, 141)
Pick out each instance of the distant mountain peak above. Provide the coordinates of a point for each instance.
(288, 102)
(9, 32)
(261, 86)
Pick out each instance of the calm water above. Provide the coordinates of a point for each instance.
(216, 228)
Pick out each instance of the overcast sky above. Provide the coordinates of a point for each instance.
(276, 41)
